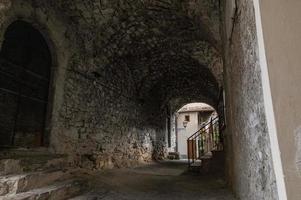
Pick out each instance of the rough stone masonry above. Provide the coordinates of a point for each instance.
(249, 160)
(117, 65)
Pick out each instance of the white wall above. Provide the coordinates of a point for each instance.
(184, 133)
(173, 137)
(281, 27)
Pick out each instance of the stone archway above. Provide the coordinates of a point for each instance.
(25, 76)
(187, 120)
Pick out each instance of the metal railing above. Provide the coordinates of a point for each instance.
(207, 139)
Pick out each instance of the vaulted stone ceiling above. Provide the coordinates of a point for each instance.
(169, 48)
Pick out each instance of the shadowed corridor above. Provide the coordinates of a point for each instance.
(157, 181)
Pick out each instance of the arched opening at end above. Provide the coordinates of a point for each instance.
(185, 122)
(25, 67)
(195, 136)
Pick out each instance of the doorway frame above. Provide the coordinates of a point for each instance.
(44, 31)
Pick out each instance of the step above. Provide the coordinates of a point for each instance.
(218, 161)
(10, 151)
(196, 164)
(218, 152)
(30, 163)
(206, 164)
(13, 184)
(58, 191)
(88, 196)
(173, 153)
(173, 156)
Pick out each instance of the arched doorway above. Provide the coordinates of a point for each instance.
(25, 66)
(188, 120)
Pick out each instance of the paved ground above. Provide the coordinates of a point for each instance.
(159, 181)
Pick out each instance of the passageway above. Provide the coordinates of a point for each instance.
(166, 180)
(92, 86)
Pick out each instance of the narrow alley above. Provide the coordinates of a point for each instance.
(158, 181)
(150, 99)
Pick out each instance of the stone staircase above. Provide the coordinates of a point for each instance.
(211, 163)
(37, 174)
(217, 163)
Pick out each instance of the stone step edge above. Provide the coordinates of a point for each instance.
(22, 175)
(86, 196)
(14, 166)
(11, 183)
(43, 190)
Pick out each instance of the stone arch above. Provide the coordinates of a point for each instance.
(177, 104)
(185, 119)
(59, 39)
(26, 63)
(42, 29)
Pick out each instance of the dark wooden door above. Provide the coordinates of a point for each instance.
(23, 103)
(25, 62)
(191, 147)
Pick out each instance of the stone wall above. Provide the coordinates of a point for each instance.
(116, 66)
(94, 117)
(249, 162)
(101, 119)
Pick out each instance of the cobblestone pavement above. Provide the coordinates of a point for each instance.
(159, 181)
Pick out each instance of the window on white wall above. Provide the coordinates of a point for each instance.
(187, 118)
